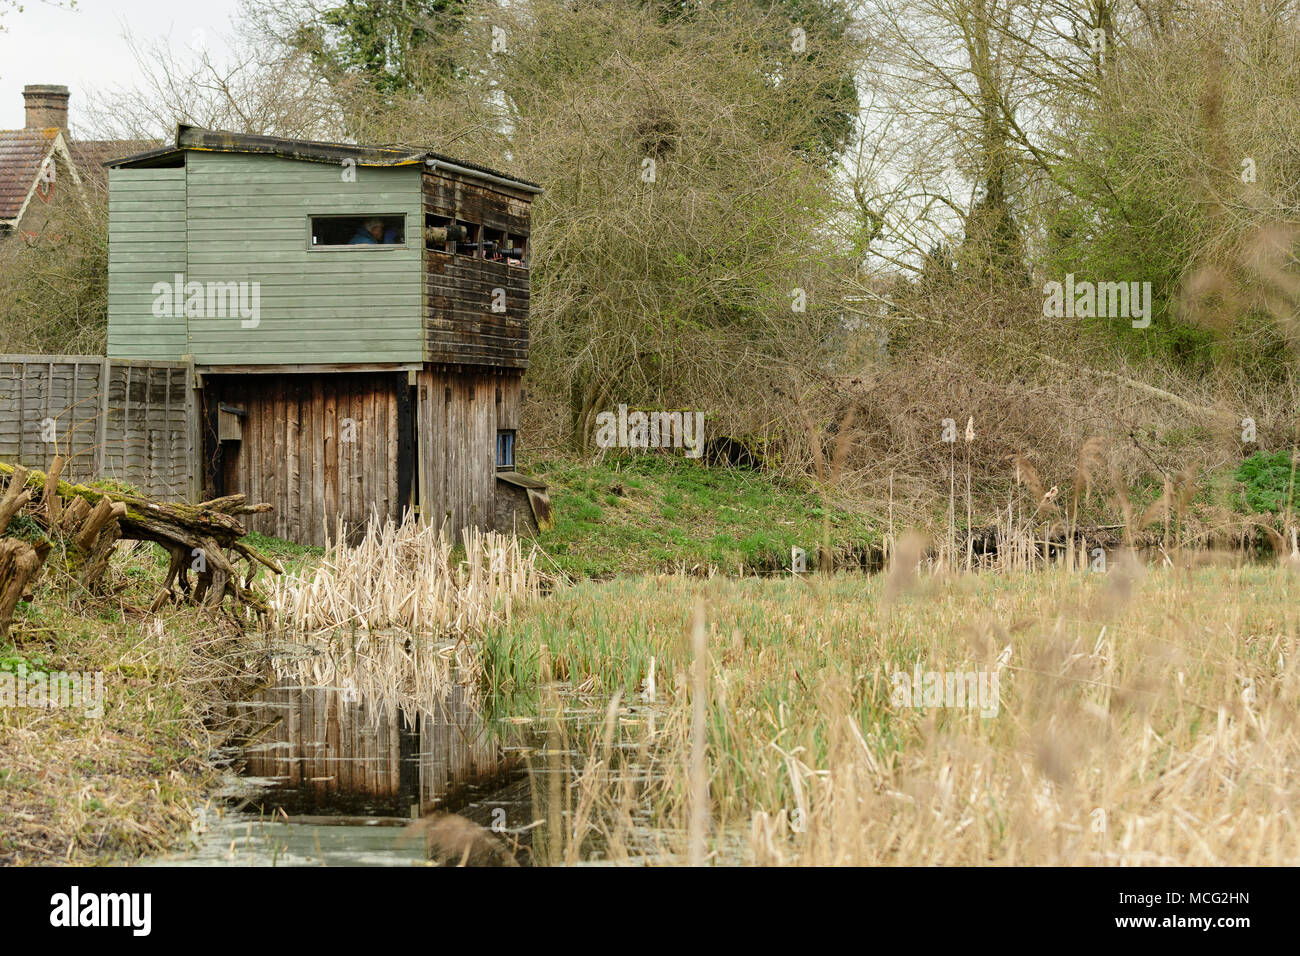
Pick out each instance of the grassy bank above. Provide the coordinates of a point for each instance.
(80, 788)
(646, 513)
(642, 514)
(1144, 717)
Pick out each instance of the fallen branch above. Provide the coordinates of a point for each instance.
(203, 539)
(20, 565)
(1133, 383)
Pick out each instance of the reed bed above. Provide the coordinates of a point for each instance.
(406, 577)
(394, 616)
(1146, 716)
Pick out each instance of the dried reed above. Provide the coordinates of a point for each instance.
(393, 617)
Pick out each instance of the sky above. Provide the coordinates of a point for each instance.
(84, 48)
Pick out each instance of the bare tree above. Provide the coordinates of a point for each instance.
(240, 83)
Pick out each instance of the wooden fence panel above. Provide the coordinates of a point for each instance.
(128, 420)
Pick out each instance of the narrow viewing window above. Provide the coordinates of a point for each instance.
(506, 449)
(500, 246)
(358, 230)
(469, 246)
(444, 234)
(516, 251)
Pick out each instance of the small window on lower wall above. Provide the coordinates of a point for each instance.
(334, 231)
(506, 450)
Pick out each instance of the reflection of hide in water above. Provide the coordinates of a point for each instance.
(327, 749)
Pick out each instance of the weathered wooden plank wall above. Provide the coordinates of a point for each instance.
(459, 413)
(320, 448)
(128, 420)
(461, 326)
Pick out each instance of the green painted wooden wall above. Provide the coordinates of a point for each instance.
(146, 244)
(246, 220)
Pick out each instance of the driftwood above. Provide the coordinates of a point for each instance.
(202, 539)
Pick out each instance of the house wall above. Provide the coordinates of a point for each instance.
(295, 454)
(248, 222)
(458, 415)
(462, 328)
(146, 244)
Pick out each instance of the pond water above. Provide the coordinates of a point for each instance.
(324, 775)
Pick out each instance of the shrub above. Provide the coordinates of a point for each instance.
(1269, 479)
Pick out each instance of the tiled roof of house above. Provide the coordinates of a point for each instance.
(22, 151)
(90, 155)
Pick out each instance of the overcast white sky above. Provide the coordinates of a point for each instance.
(84, 47)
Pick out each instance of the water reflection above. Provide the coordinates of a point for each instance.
(332, 750)
(330, 776)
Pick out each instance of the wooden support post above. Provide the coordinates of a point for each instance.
(101, 435)
(193, 434)
(405, 446)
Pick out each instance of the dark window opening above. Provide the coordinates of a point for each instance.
(499, 246)
(469, 246)
(442, 233)
(516, 250)
(506, 449)
(493, 242)
(358, 230)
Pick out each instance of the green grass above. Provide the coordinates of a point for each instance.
(291, 556)
(643, 514)
(650, 513)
